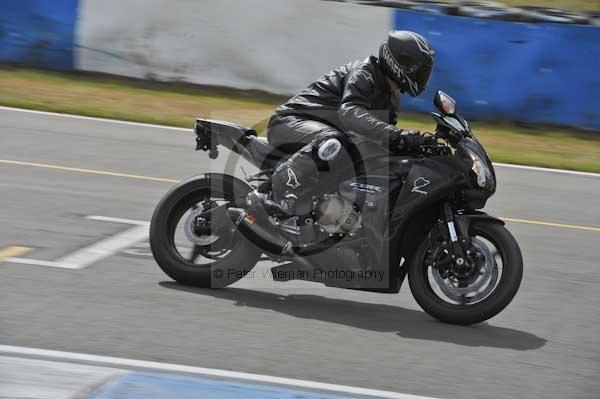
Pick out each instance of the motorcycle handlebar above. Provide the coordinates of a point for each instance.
(431, 146)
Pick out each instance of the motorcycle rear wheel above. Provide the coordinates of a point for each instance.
(226, 263)
(478, 308)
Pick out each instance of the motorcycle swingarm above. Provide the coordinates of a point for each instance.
(219, 218)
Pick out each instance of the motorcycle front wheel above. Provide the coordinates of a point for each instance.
(471, 294)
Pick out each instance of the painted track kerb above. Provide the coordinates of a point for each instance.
(186, 130)
(178, 368)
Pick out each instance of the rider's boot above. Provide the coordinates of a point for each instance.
(282, 209)
(292, 182)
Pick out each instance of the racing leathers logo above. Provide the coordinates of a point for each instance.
(418, 184)
(292, 179)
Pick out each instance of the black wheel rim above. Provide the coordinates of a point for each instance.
(187, 252)
(484, 282)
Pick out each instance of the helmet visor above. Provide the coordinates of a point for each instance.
(421, 77)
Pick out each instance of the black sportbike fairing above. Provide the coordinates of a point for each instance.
(371, 194)
(399, 199)
(414, 209)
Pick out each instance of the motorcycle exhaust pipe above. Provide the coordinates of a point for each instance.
(266, 240)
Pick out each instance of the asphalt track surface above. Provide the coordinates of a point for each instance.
(545, 344)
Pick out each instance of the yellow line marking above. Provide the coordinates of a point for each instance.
(160, 179)
(12, 252)
(564, 226)
(90, 171)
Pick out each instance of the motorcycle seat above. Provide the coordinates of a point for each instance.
(222, 128)
(265, 153)
(259, 146)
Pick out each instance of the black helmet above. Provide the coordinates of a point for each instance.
(407, 58)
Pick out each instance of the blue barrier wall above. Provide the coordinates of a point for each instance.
(38, 32)
(502, 70)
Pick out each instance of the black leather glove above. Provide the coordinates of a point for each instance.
(429, 139)
(404, 141)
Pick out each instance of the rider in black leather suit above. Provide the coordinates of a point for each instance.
(353, 106)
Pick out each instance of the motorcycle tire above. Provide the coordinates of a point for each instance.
(498, 299)
(219, 273)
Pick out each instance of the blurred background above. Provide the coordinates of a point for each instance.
(519, 67)
(76, 271)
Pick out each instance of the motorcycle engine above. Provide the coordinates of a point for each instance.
(335, 214)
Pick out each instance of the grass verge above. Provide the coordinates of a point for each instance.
(177, 104)
(575, 5)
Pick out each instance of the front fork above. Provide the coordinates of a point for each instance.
(456, 234)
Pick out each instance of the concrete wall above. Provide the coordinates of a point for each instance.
(496, 70)
(274, 45)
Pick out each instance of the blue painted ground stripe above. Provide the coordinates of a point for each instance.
(146, 385)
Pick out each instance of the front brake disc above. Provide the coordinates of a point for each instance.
(476, 289)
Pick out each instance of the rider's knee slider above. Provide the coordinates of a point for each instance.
(329, 149)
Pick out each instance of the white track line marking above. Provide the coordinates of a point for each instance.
(169, 367)
(36, 262)
(96, 252)
(92, 118)
(118, 220)
(181, 129)
(538, 169)
(105, 248)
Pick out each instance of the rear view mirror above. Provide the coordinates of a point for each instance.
(445, 104)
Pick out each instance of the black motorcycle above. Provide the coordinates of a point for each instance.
(398, 215)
